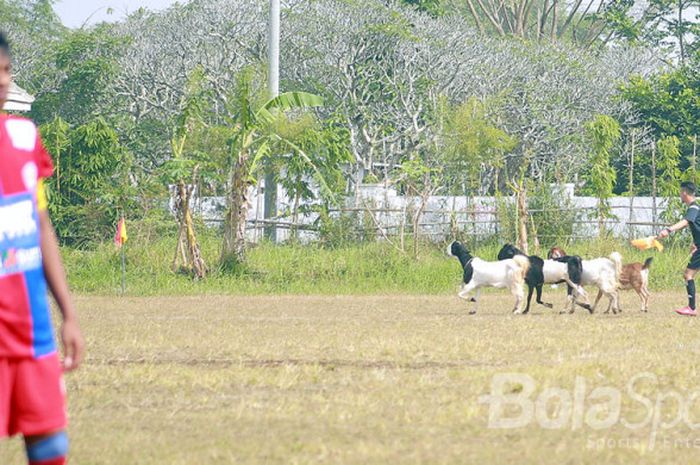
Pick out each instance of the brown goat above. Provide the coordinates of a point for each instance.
(556, 252)
(634, 276)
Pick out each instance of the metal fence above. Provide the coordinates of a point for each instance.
(383, 213)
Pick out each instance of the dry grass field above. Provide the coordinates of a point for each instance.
(368, 380)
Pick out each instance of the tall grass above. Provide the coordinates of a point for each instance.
(370, 268)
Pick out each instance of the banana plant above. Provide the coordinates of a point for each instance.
(254, 142)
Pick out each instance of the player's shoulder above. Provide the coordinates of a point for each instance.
(22, 131)
(694, 206)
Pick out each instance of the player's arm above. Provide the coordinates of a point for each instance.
(678, 226)
(73, 345)
(690, 216)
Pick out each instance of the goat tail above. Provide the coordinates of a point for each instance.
(647, 263)
(523, 264)
(617, 260)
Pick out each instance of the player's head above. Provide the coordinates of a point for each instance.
(687, 191)
(5, 68)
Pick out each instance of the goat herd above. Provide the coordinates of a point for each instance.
(514, 270)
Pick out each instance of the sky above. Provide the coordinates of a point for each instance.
(74, 13)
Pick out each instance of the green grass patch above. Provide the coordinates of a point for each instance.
(371, 268)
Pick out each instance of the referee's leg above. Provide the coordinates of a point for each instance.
(689, 277)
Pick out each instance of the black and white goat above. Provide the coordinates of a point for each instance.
(479, 273)
(547, 272)
(604, 273)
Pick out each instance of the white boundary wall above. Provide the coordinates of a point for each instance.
(475, 215)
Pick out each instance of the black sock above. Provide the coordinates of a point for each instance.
(690, 286)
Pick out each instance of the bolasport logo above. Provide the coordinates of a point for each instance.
(514, 401)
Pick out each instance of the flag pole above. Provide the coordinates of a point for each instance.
(123, 269)
(120, 240)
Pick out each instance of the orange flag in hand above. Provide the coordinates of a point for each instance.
(646, 243)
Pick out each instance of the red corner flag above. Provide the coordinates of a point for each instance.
(120, 237)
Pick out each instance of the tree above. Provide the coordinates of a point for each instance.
(421, 180)
(181, 169)
(604, 133)
(164, 48)
(474, 148)
(668, 103)
(667, 164)
(91, 183)
(667, 24)
(583, 22)
(84, 63)
(386, 68)
(326, 145)
(387, 71)
(251, 145)
(33, 29)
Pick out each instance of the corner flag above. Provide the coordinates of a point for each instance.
(120, 237)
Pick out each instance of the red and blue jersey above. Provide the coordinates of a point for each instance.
(25, 322)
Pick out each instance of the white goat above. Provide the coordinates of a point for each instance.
(604, 273)
(570, 272)
(478, 273)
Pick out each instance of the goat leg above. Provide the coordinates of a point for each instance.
(597, 299)
(645, 298)
(539, 298)
(530, 289)
(519, 298)
(641, 297)
(476, 302)
(464, 295)
(570, 300)
(579, 291)
(614, 297)
(610, 305)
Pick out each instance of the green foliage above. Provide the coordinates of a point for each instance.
(253, 141)
(188, 122)
(369, 268)
(433, 7)
(669, 104)
(464, 134)
(91, 180)
(604, 133)
(33, 29)
(670, 24)
(472, 141)
(33, 16)
(617, 17)
(84, 64)
(337, 231)
(209, 148)
(346, 269)
(416, 176)
(553, 214)
(326, 147)
(254, 120)
(507, 217)
(667, 162)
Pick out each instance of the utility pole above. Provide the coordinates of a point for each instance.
(273, 55)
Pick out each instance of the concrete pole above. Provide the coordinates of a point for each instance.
(273, 55)
(273, 44)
